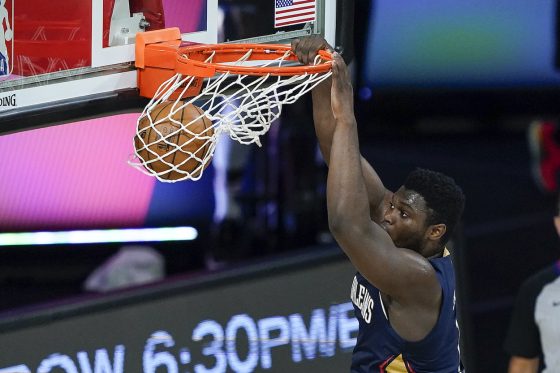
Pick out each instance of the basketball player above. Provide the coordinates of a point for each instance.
(404, 291)
(5, 35)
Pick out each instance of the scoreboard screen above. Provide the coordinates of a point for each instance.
(292, 316)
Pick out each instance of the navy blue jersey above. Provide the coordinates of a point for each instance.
(380, 349)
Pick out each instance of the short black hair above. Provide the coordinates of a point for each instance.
(442, 195)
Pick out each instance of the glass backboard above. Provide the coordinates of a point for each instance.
(61, 54)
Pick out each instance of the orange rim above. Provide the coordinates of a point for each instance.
(190, 60)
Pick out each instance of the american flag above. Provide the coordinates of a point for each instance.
(292, 12)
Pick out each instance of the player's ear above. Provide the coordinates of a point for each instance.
(436, 231)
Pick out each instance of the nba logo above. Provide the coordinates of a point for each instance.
(6, 36)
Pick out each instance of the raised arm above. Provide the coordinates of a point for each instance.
(403, 274)
(306, 49)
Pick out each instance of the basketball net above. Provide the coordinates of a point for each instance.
(243, 106)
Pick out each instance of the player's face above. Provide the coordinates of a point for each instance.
(405, 219)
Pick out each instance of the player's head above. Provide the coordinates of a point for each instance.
(424, 211)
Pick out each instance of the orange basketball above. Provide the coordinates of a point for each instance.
(165, 134)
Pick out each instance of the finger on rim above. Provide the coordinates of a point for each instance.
(306, 49)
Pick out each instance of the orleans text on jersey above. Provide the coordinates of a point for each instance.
(380, 349)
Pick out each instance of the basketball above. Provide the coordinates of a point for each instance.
(162, 140)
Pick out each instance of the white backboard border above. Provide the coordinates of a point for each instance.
(101, 56)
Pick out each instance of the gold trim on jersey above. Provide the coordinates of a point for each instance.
(396, 365)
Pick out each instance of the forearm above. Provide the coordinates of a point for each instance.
(324, 122)
(323, 118)
(346, 190)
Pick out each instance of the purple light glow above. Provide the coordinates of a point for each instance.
(73, 176)
(184, 14)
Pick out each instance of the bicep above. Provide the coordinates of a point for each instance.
(398, 272)
(523, 365)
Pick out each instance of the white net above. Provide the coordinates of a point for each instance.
(177, 134)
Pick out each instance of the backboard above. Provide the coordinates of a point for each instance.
(66, 59)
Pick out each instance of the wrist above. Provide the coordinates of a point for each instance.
(346, 119)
